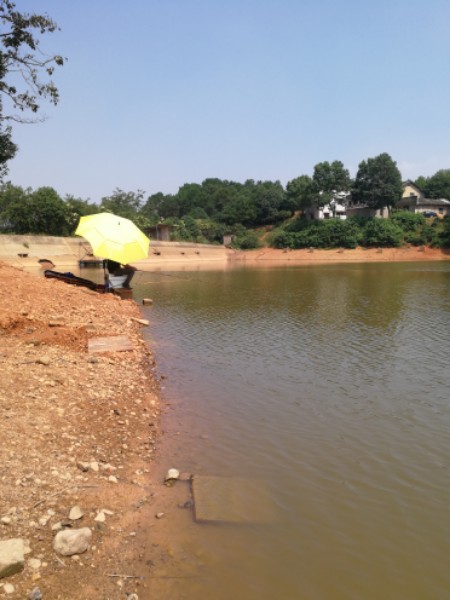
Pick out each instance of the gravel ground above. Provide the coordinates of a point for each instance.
(77, 429)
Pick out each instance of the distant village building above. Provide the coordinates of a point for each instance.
(336, 209)
(160, 232)
(228, 240)
(414, 200)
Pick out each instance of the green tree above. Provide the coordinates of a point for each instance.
(299, 190)
(438, 185)
(7, 150)
(189, 196)
(76, 208)
(329, 180)
(9, 194)
(38, 212)
(123, 204)
(378, 183)
(25, 71)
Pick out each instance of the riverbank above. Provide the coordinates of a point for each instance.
(311, 256)
(79, 429)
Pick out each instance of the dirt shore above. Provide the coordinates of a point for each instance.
(78, 429)
(275, 257)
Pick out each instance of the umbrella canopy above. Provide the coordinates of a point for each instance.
(113, 237)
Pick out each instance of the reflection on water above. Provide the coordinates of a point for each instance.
(331, 385)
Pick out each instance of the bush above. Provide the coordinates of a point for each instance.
(382, 232)
(247, 241)
(408, 221)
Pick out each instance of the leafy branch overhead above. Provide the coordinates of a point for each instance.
(25, 71)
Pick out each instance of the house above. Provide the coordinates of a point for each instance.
(342, 207)
(335, 209)
(414, 200)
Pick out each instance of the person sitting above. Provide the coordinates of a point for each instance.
(117, 270)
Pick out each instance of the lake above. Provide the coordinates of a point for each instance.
(330, 386)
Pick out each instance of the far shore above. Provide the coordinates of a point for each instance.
(342, 255)
(66, 253)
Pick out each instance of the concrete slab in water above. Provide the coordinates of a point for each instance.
(231, 500)
(113, 343)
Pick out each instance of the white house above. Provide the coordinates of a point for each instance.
(336, 208)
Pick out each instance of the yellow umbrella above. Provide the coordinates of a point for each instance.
(114, 237)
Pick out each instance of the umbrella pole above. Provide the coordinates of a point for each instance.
(105, 276)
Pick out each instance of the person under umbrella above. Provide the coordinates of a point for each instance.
(116, 269)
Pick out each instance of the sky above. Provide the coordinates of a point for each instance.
(159, 93)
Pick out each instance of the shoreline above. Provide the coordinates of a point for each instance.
(312, 256)
(80, 430)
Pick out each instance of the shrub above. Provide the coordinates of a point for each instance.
(408, 221)
(247, 241)
(382, 232)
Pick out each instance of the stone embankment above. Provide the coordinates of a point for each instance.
(26, 251)
(78, 437)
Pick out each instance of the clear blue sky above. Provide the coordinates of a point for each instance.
(158, 93)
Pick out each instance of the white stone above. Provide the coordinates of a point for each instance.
(112, 479)
(100, 518)
(72, 541)
(8, 588)
(11, 557)
(172, 474)
(75, 513)
(35, 564)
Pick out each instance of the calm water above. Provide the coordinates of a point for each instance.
(331, 385)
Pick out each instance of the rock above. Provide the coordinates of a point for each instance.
(100, 518)
(43, 360)
(56, 323)
(140, 321)
(11, 557)
(5, 520)
(34, 564)
(112, 479)
(159, 515)
(8, 588)
(75, 513)
(172, 474)
(36, 594)
(83, 466)
(70, 542)
(93, 465)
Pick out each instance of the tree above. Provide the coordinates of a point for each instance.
(39, 212)
(298, 191)
(438, 185)
(378, 182)
(76, 208)
(329, 180)
(123, 204)
(7, 150)
(22, 68)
